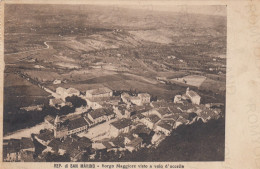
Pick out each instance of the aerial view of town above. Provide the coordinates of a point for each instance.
(104, 83)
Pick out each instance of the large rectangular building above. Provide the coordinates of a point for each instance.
(100, 115)
(63, 93)
(100, 92)
(120, 126)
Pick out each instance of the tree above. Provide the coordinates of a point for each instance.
(76, 101)
(154, 98)
(66, 110)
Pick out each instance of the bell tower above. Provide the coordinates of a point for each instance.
(56, 126)
(187, 90)
(57, 122)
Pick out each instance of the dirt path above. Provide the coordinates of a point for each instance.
(152, 81)
(148, 68)
(45, 43)
(46, 47)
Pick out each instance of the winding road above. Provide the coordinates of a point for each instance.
(45, 43)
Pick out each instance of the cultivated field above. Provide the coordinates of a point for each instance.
(193, 80)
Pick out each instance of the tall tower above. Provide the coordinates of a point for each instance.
(57, 122)
(56, 126)
(60, 131)
(187, 90)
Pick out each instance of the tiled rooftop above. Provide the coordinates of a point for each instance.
(122, 123)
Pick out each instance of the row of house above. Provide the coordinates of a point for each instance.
(66, 127)
(63, 127)
(18, 150)
(94, 97)
(151, 116)
(140, 99)
(161, 117)
(136, 115)
(73, 145)
(132, 111)
(129, 142)
(99, 115)
(126, 141)
(93, 93)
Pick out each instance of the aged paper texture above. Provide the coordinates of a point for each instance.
(130, 84)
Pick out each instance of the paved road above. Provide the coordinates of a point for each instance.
(26, 132)
(98, 132)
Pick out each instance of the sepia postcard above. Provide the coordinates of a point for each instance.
(130, 84)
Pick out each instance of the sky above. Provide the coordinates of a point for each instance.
(206, 9)
(220, 10)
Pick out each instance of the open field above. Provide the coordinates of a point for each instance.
(17, 86)
(43, 75)
(123, 82)
(192, 80)
(217, 77)
(18, 93)
(152, 36)
(219, 86)
(172, 74)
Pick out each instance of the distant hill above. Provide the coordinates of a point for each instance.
(52, 18)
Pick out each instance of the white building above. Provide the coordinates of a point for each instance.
(57, 81)
(126, 98)
(100, 92)
(145, 97)
(100, 115)
(157, 138)
(177, 99)
(93, 104)
(163, 128)
(60, 90)
(193, 96)
(67, 92)
(120, 126)
(72, 92)
(150, 121)
(140, 99)
(136, 100)
(57, 102)
(134, 144)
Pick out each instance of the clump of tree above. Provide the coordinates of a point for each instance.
(153, 98)
(76, 101)
(66, 110)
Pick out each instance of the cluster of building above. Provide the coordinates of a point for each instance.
(134, 121)
(190, 95)
(18, 150)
